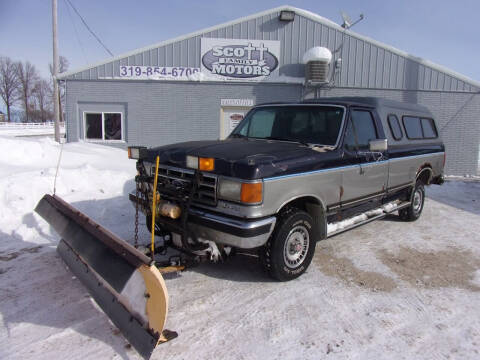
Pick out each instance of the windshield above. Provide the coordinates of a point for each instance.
(319, 125)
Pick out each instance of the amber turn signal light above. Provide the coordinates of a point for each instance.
(251, 193)
(206, 164)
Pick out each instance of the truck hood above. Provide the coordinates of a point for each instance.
(245, 158)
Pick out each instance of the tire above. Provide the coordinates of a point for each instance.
(413, 212)
(148, 223)
(289, 251)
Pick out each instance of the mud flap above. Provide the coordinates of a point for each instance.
(121, 279)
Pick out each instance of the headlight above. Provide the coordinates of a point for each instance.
(202, 164)
(136, 152)
(133, 153)
(230, 190)
(192, 162)
(249, 193)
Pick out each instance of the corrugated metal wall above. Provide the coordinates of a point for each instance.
(364, 64)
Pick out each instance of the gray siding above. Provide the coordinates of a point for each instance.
(159, 113)
(364, 63)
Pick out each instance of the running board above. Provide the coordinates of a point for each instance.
(369, 219)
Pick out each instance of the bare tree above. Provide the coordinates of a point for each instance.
(28, 76)
(63, 64)
(9, 83)
(42, 93)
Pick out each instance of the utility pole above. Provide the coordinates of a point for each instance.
(56, 98)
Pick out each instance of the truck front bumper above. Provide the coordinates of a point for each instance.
(235, 232)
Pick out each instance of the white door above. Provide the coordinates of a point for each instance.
(230, 119)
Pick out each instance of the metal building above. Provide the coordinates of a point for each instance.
(200, 85)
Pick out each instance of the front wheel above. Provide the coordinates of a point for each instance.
(290, 249)
(414, 210)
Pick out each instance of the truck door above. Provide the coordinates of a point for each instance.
(365, 173)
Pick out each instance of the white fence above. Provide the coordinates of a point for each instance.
(19, 126)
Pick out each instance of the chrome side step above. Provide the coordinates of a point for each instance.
(369, 219)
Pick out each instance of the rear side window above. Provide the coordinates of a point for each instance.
(429, 130)
(395, 128)
(413, 128)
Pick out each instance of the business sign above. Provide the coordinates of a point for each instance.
(237, 102)
(137, 72)
(239, 59)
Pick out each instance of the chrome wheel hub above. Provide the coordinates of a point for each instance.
(417, 201)
(296, 246)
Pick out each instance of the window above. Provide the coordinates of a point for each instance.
(429, 130)
(93, 126)
(263, 126)
(103, 126)
(417, 128)
(395, 128)
(360, 130)
(413, 128)
(318, 125)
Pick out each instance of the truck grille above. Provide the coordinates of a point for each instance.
(206, 190)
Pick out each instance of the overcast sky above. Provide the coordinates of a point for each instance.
(445, 32)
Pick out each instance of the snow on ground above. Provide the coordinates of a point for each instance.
(386, 290)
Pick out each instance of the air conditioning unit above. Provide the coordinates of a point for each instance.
(317, 65)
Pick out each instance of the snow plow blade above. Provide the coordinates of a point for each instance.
(122, 280)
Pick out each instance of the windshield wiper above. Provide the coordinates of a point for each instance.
(237, 135)
(286, 139)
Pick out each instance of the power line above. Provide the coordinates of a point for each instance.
(88, 28)
(76, 32)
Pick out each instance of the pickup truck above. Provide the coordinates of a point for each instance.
(291, 174)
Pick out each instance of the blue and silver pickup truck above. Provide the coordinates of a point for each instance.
(289, 175)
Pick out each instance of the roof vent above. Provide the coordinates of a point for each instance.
(317, 62)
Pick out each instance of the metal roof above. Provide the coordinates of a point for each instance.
(307, 15)
(370, 101)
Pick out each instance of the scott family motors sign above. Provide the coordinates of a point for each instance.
(239, 59)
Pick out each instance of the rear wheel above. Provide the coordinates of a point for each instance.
(413, 212)
(290, 249)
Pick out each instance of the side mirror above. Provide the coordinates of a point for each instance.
(378, 145)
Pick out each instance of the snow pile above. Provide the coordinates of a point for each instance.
(27, 171)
